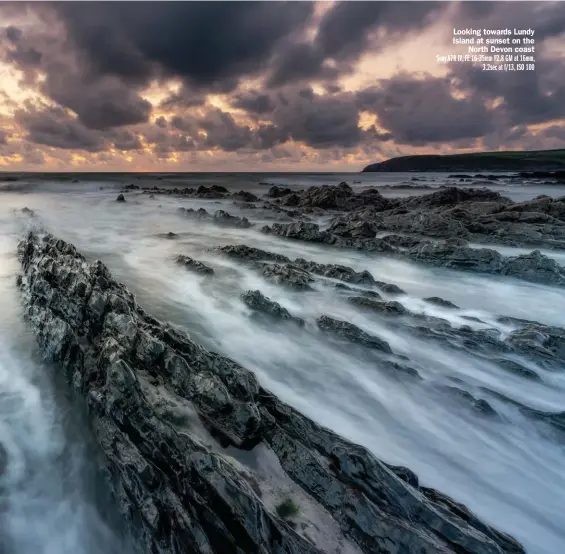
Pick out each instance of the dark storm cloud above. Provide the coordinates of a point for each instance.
(301, 62)
(320, 121)
(185, 124)
(546, 18)
(165, 143)
(423, 111)
(317, 120)
(126, 140)
(100, 104)
(161, 122)
(555, 131)
(345, 33)
(527, 97)
(202, 42)
(13, 34)
(254, 102)
(52, 126)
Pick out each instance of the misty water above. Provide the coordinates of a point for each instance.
(509, 471)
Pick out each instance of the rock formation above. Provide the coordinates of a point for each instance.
(173, 421)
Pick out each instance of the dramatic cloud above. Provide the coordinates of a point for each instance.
(346, 32)
(325, 85)
(52, 126)
(423, 111)
(202, 42)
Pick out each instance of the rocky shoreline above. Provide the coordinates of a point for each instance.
(191, 440)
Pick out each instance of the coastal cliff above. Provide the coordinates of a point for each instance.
(538, 160)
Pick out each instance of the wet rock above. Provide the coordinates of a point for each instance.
(132, 187)
(176, 492)
(353, 227)
(278, 192)
(479, 405)
(287, 275)
(399, 370)
(389, 288)
(441, 302)
(215, 192)
(300, 230)
(518, 369)
(224, 219)
(28, 211)
(256, 301)
(402, 241)
(352, 333)
(387, 308)
(481, 260)
(335, 271)
(121, 198)
(220, 218)
(198, 214)
(194, 265)
(540, 342)
(290, 200)
(245, 196)
(326, 197)
(450, 196)
(171, 235)
(535, 267)
(251, 254)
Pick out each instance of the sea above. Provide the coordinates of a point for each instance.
(509, 471)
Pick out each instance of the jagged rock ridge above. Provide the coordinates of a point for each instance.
(155, 398)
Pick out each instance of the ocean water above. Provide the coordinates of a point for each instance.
(508, 471)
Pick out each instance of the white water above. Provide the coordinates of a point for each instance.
(510, 472)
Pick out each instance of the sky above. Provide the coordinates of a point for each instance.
(266, 86)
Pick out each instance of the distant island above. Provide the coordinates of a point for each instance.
(535, 160)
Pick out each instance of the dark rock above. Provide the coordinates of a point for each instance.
(402, 241)
(441, 302)
(389, 288)
(132, 187)
(121, 198)
(174, 489)
(540, 341)
(456, 257)
(398, 370)
(171, 235)
(388, 308)
(352, 333)
(300, 230)
(224, 219)
(256, 301)
(250, 254)
(278, 192)
(518, 369)
(287, 275)
(335, 271)
(535, 267)
(326, 197)
(198, 214)
(450, 196)
(290, 200)
(194, 265)
(28, 211)
(479, 405)
(245, 196)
